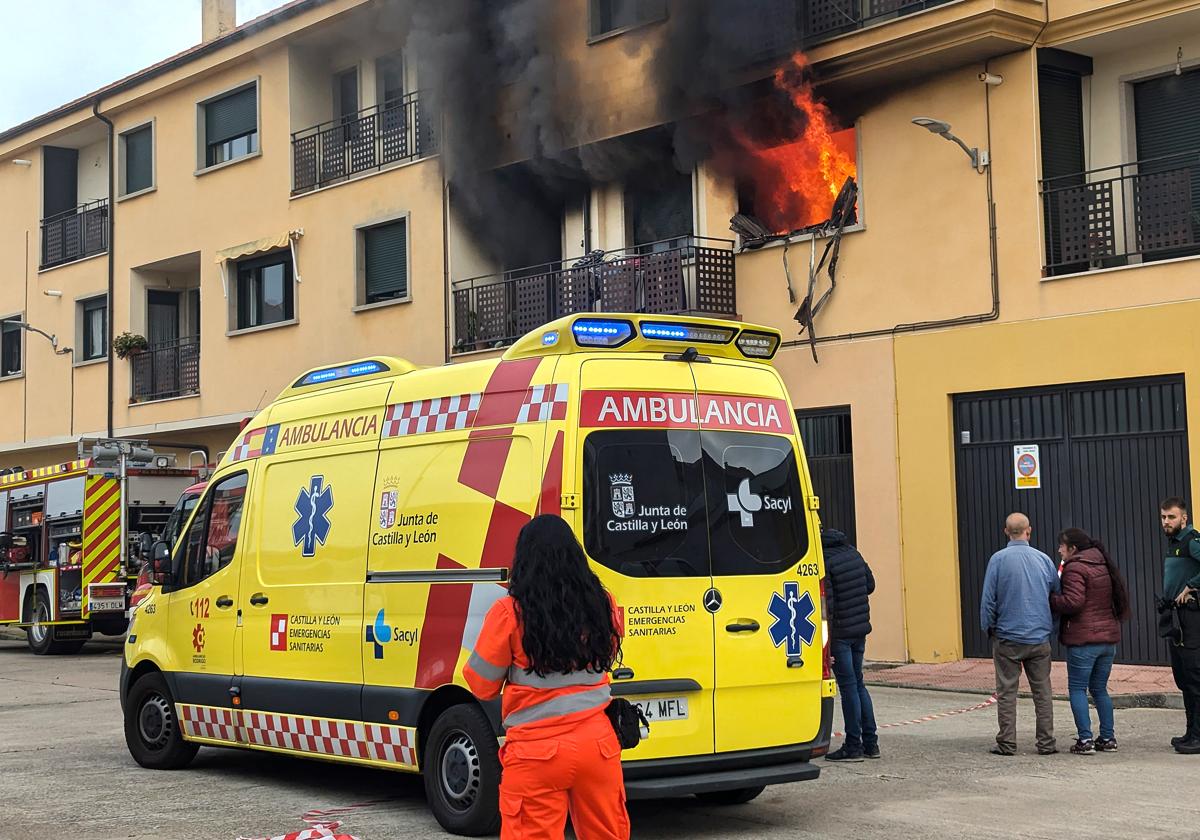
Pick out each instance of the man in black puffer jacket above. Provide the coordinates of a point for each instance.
(848, 585)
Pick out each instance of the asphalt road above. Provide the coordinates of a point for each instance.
(65, 772)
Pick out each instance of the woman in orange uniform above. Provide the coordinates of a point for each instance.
(548, 647)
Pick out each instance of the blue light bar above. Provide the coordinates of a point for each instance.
(687, 332)
(317, 377)
(550, 338)
(591, 332)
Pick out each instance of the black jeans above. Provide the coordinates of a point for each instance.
(1185, 665)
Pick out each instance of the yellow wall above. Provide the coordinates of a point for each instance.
(1146, 341)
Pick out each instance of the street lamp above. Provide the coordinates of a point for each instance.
(58, 351)
(979, 160)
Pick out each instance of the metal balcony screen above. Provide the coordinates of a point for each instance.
(167, 369)
(77, 233)
(827, 18)
(231, 116)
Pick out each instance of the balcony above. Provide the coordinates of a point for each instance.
(822, 19)
(691, 275)
(74, 234)
(1121, 215)
(398, 131)
(165, 370)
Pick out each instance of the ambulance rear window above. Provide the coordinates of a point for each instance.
(644, 503)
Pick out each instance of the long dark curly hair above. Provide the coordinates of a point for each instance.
(565, 614)
(1078, 539)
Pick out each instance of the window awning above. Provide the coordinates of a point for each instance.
(258, 246)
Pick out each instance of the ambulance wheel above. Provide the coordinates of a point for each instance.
(462, 772)
(41, 637)
(151, 729)
(737, 796)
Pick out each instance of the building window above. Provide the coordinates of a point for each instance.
(137, 160)
(389, 78)
(231, 126)
(93, 321)
(10, 346)
(658, 209)
(609, 16)
(383, 251)
(265, 293)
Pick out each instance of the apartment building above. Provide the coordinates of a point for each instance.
(1011, 325)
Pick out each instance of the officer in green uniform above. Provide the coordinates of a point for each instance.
(1181, 586)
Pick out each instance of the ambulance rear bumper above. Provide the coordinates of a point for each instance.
(659, 778)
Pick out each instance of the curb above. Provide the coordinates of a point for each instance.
(12, 634)
(1142, 700)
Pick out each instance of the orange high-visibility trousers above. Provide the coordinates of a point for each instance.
(578, 772)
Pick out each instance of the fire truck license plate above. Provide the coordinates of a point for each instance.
(107, 604)
(663, 708)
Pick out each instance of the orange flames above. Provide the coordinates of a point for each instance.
(794, 183)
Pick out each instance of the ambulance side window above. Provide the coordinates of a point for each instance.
(643, 500)
(212, 538)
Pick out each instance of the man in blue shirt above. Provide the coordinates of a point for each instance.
(1015, 613)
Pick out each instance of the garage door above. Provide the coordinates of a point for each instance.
(1108, 453)
(828, 446)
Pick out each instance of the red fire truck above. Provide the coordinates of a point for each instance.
(74, 537)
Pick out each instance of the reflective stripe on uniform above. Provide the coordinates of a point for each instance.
(558, 706)
(484, 668)
(518, 676)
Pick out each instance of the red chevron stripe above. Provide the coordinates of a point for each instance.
(107, 572)
(102, 500)
(102, 549)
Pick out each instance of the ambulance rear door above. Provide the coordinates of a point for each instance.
(765, 560)
(637, 460)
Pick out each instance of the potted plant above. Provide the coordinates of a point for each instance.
(129, 344)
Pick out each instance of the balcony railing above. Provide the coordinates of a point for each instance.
(397, 131)
(167, 369)
(1142, 211)
(690, 274)
(74, 234)
(821, 19)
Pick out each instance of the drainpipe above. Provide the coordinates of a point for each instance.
(112, 227)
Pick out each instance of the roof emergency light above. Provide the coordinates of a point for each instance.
(593, 332)
(322, 375)
(757, 345)
(687, 332)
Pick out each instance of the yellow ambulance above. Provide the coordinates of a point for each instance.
(331, 582)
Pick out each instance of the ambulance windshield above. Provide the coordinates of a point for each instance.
(677, 503)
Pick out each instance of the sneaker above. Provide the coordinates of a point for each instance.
(872, 751)
(1083, 747)
(845, 753)
(1106, 745)
(1191, 746)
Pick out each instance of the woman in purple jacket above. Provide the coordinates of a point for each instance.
(1093, 603)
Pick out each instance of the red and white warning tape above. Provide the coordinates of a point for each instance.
(320, 824)
(991, 701)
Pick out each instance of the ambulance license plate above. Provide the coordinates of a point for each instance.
(107, 605)
(662, 708)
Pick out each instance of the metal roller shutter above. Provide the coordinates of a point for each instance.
(386, 261)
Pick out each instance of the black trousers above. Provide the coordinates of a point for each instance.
(1185, 665)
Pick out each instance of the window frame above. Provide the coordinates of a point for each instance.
(83, 306)
(203, 511)
(256, 263)
(362, 302)
(593, 22)
(122, 161)
(202, 144)
(17, 316)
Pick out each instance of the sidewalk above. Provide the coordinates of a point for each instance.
(1130, 685)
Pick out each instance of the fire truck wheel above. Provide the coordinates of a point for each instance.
(737, 796)
(151, 729)
(462, 772)
(42, 639)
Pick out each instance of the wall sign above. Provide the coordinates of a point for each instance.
(1027, 467)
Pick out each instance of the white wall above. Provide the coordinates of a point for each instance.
(93, 172)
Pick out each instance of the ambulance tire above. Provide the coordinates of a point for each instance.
(462, 772)
(43, 641)
(152, 731)
(737, 796)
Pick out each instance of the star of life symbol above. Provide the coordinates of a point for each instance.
(312, 515)
(793, 623)
(746, 503)
(622, 494)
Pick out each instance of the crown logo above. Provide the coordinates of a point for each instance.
(620, 478)
(392, 481)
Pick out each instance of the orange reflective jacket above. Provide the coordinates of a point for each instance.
(530, 703)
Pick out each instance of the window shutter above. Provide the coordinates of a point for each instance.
(1060, 99)
(138, 160)
(231, 116)
(386, 252)
(1167, 115)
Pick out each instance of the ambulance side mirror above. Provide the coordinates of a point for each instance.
(6, 540)
(161, 563)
